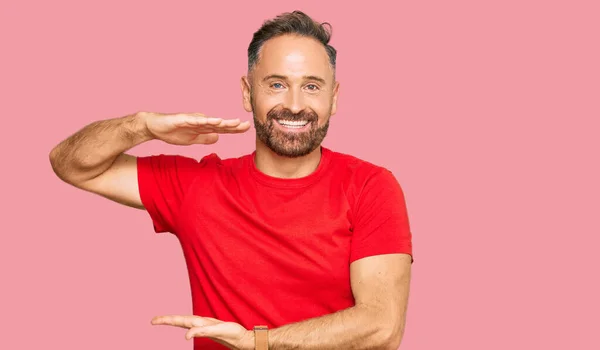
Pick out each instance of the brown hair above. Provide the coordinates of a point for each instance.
(297, 23)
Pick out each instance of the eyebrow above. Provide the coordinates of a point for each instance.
(306, 77)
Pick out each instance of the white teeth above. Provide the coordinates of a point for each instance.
(293, 123)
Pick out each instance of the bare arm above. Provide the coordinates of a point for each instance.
(381, 286)
(93, 158)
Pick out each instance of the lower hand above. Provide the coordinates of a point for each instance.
(230, 334)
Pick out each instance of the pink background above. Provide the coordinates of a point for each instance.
(487, 112)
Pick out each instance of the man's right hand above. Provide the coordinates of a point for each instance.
(188, 129)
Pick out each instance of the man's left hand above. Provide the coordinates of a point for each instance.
(232, 335)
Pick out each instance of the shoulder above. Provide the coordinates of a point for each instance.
(184, 169)
(364, 183)
(181, 162)
(356, 170)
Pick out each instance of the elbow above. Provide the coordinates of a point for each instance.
(55, 162)
(53, 157)
(390, 337)
(393, 343)
(388, 331)
(58, 166)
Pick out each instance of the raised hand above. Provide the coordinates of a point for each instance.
(189, 128)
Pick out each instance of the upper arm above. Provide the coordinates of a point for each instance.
(118, 183)
(381, 283)
(381, 253)
(157, 184)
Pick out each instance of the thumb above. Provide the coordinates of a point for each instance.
(212, 331)
(206, 139)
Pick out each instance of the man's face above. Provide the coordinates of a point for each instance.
(292, 94)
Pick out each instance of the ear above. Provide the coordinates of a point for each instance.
(246, 99)
(336, 91)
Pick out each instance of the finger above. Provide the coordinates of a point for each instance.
(195, 332)
(211, 128)
(245, 125)
(242, 127)
(206, 139)
(209, 331)
(187, 122)
(180, 321)
(229, 122)
(212, 123)
(193, 120)
(206, 129)
(199, 116)
(212, 319)
(184, 321)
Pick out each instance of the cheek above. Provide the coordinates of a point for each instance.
(322, 107)
(263, 104)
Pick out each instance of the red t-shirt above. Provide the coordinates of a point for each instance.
(266, 250)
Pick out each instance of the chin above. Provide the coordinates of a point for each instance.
(291, 152)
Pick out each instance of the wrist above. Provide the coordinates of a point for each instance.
(261, 337)
(248, 340)
(139, 127)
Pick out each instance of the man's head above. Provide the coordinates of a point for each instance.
(291, 88)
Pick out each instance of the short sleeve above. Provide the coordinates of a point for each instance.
(380, 224)
(163, 181)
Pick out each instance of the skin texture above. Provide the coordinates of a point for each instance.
(94, 159)
(292, 80)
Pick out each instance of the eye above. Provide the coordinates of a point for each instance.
(312, 87)
(277, 85)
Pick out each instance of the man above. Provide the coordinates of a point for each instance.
(311, 244)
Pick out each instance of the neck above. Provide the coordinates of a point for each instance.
(272, 164)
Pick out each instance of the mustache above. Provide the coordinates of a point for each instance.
(288, 115)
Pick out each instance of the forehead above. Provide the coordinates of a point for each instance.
(293, 55)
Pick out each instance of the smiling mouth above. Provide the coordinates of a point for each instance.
(292, 124)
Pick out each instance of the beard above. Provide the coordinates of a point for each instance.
(290, 144)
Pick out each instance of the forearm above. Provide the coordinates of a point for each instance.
(91, 151)
(357, 327)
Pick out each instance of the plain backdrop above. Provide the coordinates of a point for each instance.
(487, 112)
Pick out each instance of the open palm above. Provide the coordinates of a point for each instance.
(230, 334)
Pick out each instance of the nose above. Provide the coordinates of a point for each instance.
(294, 101)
